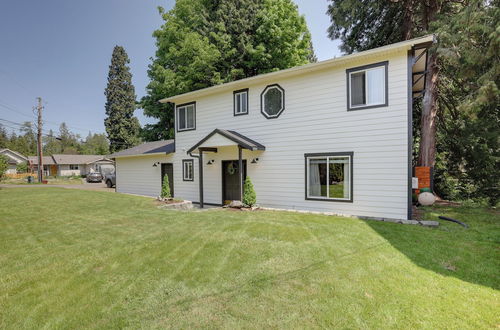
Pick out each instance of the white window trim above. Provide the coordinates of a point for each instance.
(365, 69)
(186, 163)
(240, 103)
(328, 198)
(185, 106)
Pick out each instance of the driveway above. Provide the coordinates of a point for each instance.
(84, 186)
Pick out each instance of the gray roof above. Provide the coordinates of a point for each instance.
(47, 160)
(5, 151)
(164, 146)
(77, 159)
(234, 136)
(60, 159)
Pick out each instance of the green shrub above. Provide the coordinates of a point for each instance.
(22, 167)
(249, 196)
(4, 165)
(165, 189)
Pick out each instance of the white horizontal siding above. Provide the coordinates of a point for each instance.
(315, 119)
(137, 175)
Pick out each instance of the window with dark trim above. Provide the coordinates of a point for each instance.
(240, 102)
(367, 86)
(73, 167)
(187, 170)
(185, 115)
(272, 101)
(329, 176)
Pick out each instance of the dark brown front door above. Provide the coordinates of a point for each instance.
(230, 180)
(168, 169)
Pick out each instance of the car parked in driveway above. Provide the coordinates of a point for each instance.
(94, 177)
(110, 179)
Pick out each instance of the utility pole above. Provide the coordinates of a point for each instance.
(39, 144)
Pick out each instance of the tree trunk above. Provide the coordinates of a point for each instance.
(427, 152)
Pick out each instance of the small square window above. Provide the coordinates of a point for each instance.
(186, 117)
(240, 102)
(187, 170)
(367, 86)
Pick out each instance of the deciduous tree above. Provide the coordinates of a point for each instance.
(204, 43)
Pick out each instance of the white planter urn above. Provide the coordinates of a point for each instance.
(426, 198)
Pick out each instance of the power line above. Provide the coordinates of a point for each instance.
(14, 110)
(17, 82)
(8, 107)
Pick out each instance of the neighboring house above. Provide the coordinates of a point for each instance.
(333, 136)
(49, 165)
(68, 165)
(15, 159)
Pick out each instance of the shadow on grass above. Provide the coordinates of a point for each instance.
(472, 255)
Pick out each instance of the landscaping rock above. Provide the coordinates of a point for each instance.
(184, 205)
(236, 204)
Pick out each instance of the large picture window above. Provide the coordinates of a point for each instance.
(329, 176)
(240, 102)
(187, 170)
(186, 117)
(367, 86)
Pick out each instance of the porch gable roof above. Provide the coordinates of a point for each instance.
(232, 136)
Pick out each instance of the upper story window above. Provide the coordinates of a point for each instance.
(272, 101)
(367, 86)
(186, 117)
(240, 102)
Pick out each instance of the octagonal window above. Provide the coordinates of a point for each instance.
(272, 101)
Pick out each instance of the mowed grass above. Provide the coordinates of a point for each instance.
(83, 259)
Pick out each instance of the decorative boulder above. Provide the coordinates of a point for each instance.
(426, 198)
(236, 204)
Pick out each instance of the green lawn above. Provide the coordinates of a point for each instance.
(83, 259)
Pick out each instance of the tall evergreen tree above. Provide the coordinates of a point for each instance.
(468, 142)
(362, 25)
(205, 43)
(122, 127)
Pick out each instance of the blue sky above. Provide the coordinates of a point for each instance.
(60, 50)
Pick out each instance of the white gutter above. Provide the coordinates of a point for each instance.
(299, 69)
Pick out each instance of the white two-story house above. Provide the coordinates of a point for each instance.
(333, 136)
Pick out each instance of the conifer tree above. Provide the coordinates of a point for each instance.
(249, 196)
(165, 189)
(122, 127)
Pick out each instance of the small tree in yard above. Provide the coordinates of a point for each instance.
(249, 196)
(22, 167)
(4, 164)
(165, 189)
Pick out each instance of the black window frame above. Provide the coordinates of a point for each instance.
(351, 176)
(262, 101)
(74, 167)
(245, 90)
(177, 117)
(184, 161)
(349, 71)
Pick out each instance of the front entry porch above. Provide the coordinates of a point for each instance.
(233, 171)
